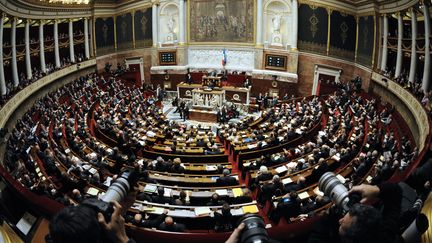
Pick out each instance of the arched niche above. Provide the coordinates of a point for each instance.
(169, 23)
(273, 10)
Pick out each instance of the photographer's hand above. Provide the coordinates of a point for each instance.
(369, 193)
(116, 227)
(235, 236)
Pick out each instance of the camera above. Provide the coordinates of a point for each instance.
(254, 230)
(116, 192)
(338, 193)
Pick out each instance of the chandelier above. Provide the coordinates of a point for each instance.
(67, 1)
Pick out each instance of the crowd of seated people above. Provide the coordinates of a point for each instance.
(282, 124)
(414, 87)
(37, 74)
(74, 157)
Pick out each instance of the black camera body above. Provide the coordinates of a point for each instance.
(116, 192)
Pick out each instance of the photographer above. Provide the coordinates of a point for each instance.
(82, 224)
(363, 222)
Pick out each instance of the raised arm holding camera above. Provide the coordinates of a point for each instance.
(354, 219)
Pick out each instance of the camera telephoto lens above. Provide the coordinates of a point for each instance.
(119, 189)
(333, 188)
(254, 230)
(116, 192)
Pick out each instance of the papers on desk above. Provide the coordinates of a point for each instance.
(251, 146)
(93, 171)
(86, 167)
(237, 192)
(202, 211)
(67, 151)
(281, 169)
(291, 165)
(318, 192)
(341, 178)
(92, 191)
(369, 179)
(336, 157)
(211, 167)
(286, 181)
(150, 188)
(246, 164)
(155, 210)
(222, 192)
(137, 206)
(250, 209)
(303, 195)
(26, 223)
(167, 192)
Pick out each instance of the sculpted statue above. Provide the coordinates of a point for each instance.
(170, 24)
(277, 22)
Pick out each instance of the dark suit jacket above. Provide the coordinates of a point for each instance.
(226, 181)
(173, 228)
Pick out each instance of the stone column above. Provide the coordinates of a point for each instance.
(14, 54)
(259, 30)
(295, 23)
(2, 77)
(42, 47)
(71, 42)
(27, 49)
(86, 39)
(181, 22)
(413, 46)
(384, 46)
(92, 53)
(56, 45)
(426, 72)
(399, 46)
(155, 13)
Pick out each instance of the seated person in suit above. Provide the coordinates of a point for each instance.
(147, 222)
(288, 206)
(189, 79)
(245, 198)
(226, 179)
(170, 225)
(223, 220)
(215, 200)
(177, 167)
(183, 199)
(274, 188)
(262, 175)
(160, 198)
(300, 184)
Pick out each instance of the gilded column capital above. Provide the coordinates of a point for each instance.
(155, 2)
